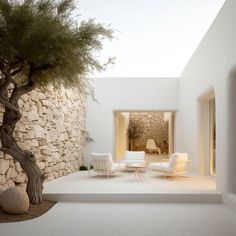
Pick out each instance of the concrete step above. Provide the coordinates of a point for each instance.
(140, 197)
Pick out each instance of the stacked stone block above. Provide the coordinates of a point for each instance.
(51, 126)
(154, 127)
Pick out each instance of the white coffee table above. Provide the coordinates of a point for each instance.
(137, 170)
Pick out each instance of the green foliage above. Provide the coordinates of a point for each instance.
(134, 130)
(45, 40)
(83, 168)
(87, 137)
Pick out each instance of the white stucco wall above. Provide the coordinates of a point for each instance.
(125, 94)
(209, 68)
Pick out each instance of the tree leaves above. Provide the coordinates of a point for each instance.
(38, 33)
(65, 6)
(134, 130)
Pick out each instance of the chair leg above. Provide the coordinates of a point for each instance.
(89, 173)
(186, 175)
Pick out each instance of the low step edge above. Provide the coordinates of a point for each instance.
(159, 198)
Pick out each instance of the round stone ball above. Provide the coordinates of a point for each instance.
(15, 201)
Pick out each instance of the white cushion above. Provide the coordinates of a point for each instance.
(164, 166)
(174, 166)
(101, 156)
(104, 162)
(118, 166)
(138, 155)
(101, 161)
(175, 157)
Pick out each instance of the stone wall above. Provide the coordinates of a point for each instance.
(51, 126)
(154, 127)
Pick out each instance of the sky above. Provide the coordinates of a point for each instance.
(153, 38)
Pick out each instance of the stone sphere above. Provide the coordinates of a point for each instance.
(15, 201)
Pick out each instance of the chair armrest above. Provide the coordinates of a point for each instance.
(189, 167)
(118, 162)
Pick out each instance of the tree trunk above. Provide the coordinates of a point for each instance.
(131, 145)
(27, 162)
(9, 146)
(35, 182)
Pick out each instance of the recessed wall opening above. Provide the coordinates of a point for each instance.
(212, 138)
(208, 133)
(230, 161)
(152, 132)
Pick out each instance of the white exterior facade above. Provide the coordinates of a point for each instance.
(125, 94)
(207, 72)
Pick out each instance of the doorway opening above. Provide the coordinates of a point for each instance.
(152, 132)
(212, 138)
(208, 133)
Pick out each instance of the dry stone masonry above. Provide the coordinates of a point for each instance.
(154, 127)
(51, 126)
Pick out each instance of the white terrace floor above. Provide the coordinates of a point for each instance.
(125, 187)
(126, 182)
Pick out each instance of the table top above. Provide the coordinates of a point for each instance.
(136, 165)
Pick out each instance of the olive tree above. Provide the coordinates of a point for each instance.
(134, 131)
(42, 43)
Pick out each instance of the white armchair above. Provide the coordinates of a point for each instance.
(103, 164)
(151, 146)
(178, 165)
(134, 157)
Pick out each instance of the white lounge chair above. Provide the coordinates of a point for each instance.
(134, 157)
(103, 164)
(178, 165)
(151, 146)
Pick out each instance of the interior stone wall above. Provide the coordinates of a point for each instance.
(154, 127)
(51, 126)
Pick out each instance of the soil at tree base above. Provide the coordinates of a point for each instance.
(33, 212)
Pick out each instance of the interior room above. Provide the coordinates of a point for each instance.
(148, 131)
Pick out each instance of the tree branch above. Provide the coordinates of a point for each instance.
(23, 89)
(42, 67)
(19, 91)
(3, 91)
(15, 72)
